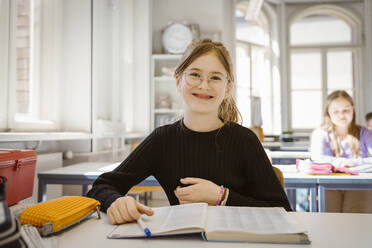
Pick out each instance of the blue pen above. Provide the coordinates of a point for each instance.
(145, 229)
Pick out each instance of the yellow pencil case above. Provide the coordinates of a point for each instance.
(55, 215)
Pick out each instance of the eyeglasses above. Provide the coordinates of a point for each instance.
(195, 78)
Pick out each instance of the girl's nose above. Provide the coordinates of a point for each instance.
(204, 83)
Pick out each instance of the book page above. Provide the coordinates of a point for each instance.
(166, 219)
(260, 220)
(363, 168)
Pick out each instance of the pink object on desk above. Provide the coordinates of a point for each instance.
(313, 168)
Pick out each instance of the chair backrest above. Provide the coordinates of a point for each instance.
(279, 175)
(133, 146)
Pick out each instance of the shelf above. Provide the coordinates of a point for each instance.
(39, 136)
(168, 111)
(167, 56)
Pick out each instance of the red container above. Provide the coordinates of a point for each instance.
(18, 167)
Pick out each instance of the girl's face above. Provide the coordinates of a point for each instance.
(203, 84)
(341, 112)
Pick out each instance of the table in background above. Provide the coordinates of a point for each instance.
(79, 174)
(287, 146)
(342, 182)
(86, 173)
(317, 184)
(290, 154)
(324, 229)
(294, 180)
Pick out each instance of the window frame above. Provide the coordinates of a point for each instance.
(355, 46)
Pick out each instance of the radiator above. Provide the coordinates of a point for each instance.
(46, 162)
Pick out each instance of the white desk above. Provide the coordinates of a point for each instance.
(289, 154)
(325, 230)
(342, 182)
(323, 182)
(79, 174)
(86, 173)
(290, 146)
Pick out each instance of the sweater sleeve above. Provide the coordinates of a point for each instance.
(140, 164)
(264, 188)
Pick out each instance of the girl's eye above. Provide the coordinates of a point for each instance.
(216, 78)
(194, 74)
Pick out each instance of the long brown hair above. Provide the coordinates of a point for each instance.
(353, 130)
(227, 110)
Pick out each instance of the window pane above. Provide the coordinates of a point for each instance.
(243, 71)
(259, 74)
(253, 33)
(306, 70)
(306, 109)
(243, 68)
(23, 51)
(319, 29)
(340, 70)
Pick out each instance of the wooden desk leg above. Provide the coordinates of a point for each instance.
(312, 200)
(321, 200)
(41, 193)
(85, 189)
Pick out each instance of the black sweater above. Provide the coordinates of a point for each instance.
(231, 156)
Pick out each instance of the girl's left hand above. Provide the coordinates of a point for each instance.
(200, 190)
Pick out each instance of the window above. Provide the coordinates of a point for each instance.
(320, 29)
(4, 68)
(306, 78)
(30, 84)
(324, 45)
(26, 76)
(254, 85)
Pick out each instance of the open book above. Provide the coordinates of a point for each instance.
(251, 224)
(363, 168)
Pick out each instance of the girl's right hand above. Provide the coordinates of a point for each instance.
(126, 209)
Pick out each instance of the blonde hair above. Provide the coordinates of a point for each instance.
(227, 110)
(353, 130)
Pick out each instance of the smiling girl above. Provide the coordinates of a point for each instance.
(204, 157)
(342, 142)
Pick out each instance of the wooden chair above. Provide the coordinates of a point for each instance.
(279, 175)
(277, 171)
(259, 132)
(136, 191)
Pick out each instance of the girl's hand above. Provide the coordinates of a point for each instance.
(126, 209)
(201, 190)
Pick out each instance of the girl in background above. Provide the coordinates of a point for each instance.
(342, 142)
(204, 157)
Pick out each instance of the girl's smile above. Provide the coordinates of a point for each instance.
(203, 85)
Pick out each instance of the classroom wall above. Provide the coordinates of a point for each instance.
(368, 55)
(211, 15)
